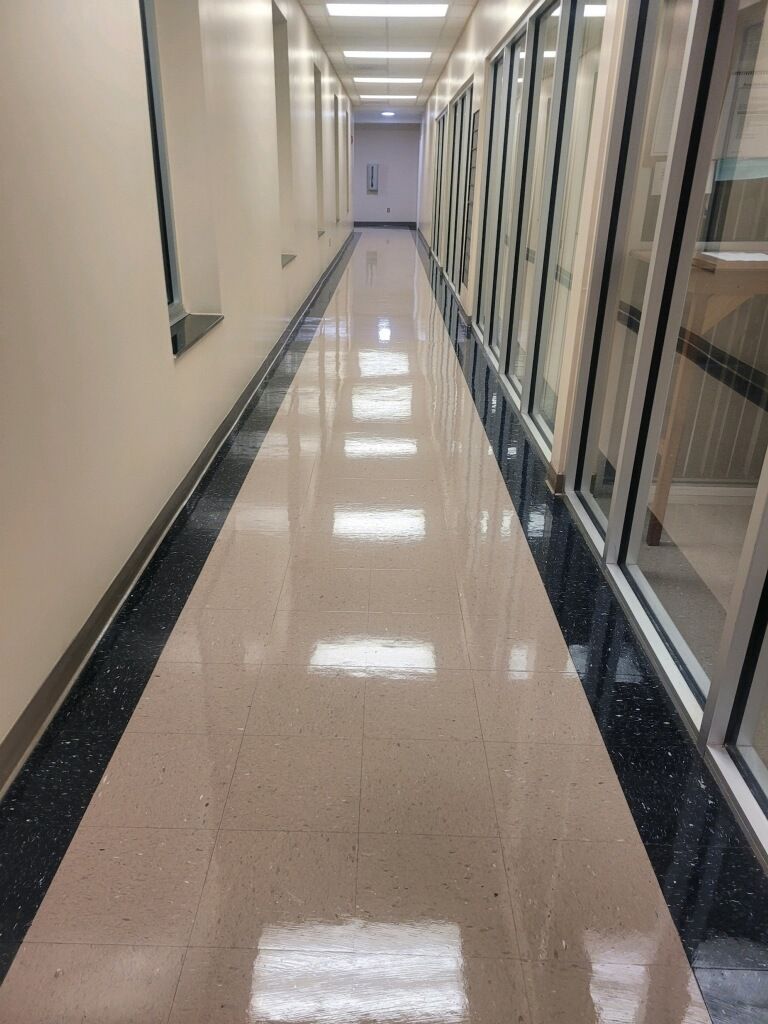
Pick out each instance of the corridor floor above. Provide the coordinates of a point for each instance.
(363, 783)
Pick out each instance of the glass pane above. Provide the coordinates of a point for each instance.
(642, 191)
(588, 37)
(546, 54)
(752, 738)
(715, 429)
(498, 311)
(499, 101)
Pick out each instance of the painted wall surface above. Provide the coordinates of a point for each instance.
(395, 148)
(98, 421)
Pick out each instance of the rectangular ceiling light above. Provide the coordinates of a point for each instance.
(395, 81)
(391, 99)
(387, 10)
(388, 54)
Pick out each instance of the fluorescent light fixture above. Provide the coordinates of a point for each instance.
(396, 81)
(381, 96)
(551, 54)
(387, 113)
(594, 10)
(387, 10)
(388, 54)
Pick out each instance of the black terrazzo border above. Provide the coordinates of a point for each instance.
(713, 884)
(43, 807)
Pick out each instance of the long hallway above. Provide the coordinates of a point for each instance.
(364, 781)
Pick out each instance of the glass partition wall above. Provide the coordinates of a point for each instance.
(668, 472)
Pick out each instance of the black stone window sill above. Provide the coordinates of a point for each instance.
(191, 328)
(287, 257)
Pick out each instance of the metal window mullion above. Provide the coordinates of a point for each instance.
(549, 195)
(666, 225)
(609, 238)
(500, 196)
(514, 185)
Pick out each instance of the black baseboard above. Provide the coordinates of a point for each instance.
(409, 224)
(16, 746)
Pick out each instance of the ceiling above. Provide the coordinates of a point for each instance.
(439, 35)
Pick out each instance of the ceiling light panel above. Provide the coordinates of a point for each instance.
(387, 10)
(388, 54)
(391, 81)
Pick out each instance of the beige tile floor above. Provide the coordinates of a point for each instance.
(363, 783)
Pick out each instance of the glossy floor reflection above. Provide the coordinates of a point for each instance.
(363, 781)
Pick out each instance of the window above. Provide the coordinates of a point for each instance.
(470, 201)
(627, 271)
(319, 162)
(437, 206)
(559, 300)
(459, 177)
(160, 158)
(284, 131)
(336, 161)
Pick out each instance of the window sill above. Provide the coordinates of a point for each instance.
(187, 331)
(286, 258)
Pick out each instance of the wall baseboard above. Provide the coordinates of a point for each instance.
(410, 224)
(24, 734)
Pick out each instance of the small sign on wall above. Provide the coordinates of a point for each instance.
(372, 178)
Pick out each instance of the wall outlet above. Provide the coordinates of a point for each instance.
(387, 209)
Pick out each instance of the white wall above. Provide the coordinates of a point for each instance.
(98, 421)
(395, 148)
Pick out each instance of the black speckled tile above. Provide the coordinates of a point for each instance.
(42, 809)
(713, 884)
(735, 997)
(29, 858)
(56, 783)
(718, 900)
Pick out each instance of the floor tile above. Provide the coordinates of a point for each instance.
(228, 986)
(426, 787)
(188, 697)
(294, 700)
(215, 636)
(421, 704)
(418, 591)
(606, 993)
(415, 641)
(70, 984)
(126, 885)
(546, 653)
(326, 589)
(319, 639)
(295, 782)
(573, 902)
(533, 707)
(278, 890)
(447, 891)
(558, 791)
(168, 780)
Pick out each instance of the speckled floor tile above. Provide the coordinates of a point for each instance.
(451, 890)
(421, 704)
(293, 700)
(194, 698)
(165, 780)
(278, 890)
(558, 791)
(533, 707)
(126, 885)
(110, 984)
(608, 993)
(588, 902)
(295, 782)
(427, 787)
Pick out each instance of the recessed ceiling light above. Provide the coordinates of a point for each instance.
(388, 54)
(380, 96)
(595, 10)
(387, 10)
(396, 81)
(387, 113)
